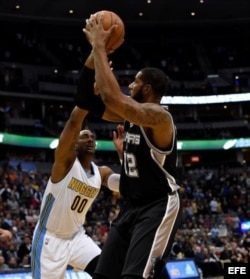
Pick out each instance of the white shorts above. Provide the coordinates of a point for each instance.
(51, 255)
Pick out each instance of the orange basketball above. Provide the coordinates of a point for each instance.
(117, 35)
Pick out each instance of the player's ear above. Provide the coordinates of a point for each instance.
(147, 87)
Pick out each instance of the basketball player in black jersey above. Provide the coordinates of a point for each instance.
(142, 235)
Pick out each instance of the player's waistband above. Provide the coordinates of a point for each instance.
(58, 235)
(62, 236)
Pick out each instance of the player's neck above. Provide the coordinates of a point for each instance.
(88, 168)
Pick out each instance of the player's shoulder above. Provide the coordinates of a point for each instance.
(105, 170)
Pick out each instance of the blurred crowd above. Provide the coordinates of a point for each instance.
(215, 201)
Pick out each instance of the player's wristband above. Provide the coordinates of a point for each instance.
(113, 182)
(85, 97)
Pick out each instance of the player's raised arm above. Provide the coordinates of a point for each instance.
(65, 153)
(87, 96)
(150, 84)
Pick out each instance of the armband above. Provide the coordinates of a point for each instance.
(85, 97)
(114, 182)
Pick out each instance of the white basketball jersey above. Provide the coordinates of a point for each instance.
(65, 204)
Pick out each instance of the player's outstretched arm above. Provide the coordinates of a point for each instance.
(89, 100)
(65, 152)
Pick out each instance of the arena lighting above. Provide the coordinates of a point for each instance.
(245, 226)
(166, 100)
(45, 142)
(195, 159)
(208, 99)
(107, 145)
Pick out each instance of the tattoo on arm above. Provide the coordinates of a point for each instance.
(146, 115)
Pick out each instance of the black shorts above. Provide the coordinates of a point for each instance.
(140, 237)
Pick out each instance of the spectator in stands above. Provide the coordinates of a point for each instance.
(213, 206)
(12, 262)
(13, 205)
(24, 249)
(214, 231)
(199, 255)
(7, 221)
(11, 252)
(225, 255)
(26, 195)
(5, 191)
(3, 265)
(214, 257)
(25, 263)
(246, 240)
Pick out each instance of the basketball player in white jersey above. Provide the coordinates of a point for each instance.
(59, 239)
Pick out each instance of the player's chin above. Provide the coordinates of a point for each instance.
(91, 150)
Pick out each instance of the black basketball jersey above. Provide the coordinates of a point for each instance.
(147, 174)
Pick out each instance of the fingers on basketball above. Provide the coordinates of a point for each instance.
(117, 35)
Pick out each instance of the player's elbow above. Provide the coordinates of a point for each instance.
(109, 97)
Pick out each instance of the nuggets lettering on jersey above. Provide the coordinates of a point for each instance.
(82, 188)
(76, 192)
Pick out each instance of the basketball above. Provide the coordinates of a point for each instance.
(117, 35)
